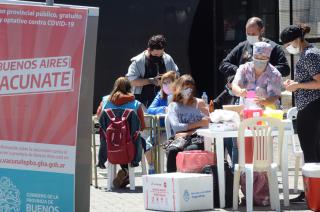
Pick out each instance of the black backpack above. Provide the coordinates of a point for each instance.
(212, 169)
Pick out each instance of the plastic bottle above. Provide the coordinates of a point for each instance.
(249, 100)
(151, 169)
(211, 106)
(204, 97)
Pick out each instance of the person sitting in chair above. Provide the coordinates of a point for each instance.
(159, 105)
(186, 113)
(122, 98)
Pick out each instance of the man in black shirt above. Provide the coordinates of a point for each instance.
(242, 53)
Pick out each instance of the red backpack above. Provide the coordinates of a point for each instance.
(120, 146)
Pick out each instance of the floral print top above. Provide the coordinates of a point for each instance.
(267, 85)
(307, 66)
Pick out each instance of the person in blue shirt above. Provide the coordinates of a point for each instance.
(159, 106)
(160, 102)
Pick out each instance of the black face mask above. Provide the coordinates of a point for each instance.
(155, 59)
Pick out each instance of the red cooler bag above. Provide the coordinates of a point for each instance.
(311, 180)
(194, 160)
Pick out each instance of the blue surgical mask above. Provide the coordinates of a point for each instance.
(260, 65)
(186, 93)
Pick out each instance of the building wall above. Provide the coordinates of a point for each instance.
(306, 11)
(200, 34)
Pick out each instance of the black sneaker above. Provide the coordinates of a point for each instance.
(101, 166)
(299, 199)
(243, 202)
(134, 164)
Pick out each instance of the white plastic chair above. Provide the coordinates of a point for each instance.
(94, 172)
(151, 127)
(112, 168)
(297, 151)
(169, 135)
(161, 152)
(112, 171)
(262, 159)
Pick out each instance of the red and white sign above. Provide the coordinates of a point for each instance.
(40, 70)
(37, 75)
(41, 57)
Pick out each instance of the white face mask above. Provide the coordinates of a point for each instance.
(186, 93)
(252, 39)
(260, 65)
(292, 50)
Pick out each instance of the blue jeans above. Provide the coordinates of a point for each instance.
(231, 145)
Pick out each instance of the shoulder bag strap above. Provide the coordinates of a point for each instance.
(110, 114)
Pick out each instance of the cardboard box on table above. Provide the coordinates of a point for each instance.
(178, 191)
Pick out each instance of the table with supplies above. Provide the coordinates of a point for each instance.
(212, 135)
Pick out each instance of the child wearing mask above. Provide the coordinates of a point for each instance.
(159, 106)
(160, 102)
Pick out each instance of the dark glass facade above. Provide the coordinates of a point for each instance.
(199, 33)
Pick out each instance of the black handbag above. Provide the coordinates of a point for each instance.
(182, 142)
(213, 169)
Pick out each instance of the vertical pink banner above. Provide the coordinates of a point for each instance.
(41, 57)
(40, 68)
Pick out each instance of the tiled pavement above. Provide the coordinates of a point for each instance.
(127, 201)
